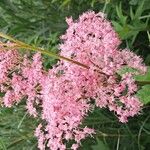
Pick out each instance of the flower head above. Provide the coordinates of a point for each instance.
(64, 93)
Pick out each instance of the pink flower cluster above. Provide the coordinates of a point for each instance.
(64, 93)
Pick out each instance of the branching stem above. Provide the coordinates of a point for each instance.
(20, 44)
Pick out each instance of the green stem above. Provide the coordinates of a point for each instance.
(21, 44)
(46, 52)
(10, 38)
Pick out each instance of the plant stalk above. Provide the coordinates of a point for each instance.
(20, 44)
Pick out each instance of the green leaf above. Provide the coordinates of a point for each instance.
(2, 145)
(126, 69)
(122, 18)
(141, 78)
(131, 13)
(53, 1)
(65, 3)
(145, 77)
(144, 94)
(2, 94)
(146, 5)
(100, 145)
(117, 26)
(148, 34)
(140, 9)
(133, 2)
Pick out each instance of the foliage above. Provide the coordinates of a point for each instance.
(40, 23)
(130, 25)
(144, 94)
(145, 77)
(16, 129)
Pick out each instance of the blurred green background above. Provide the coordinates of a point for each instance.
(41, 22)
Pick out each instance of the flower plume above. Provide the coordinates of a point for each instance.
(64, 93)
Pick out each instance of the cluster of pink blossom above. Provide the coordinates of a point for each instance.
(64, 93)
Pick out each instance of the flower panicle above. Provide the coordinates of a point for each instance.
(65, 92)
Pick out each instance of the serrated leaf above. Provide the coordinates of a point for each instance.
(144, 94)
(100, 145)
